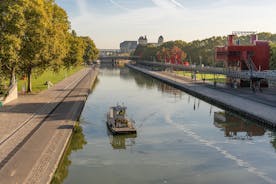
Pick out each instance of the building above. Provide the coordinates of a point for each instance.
(235, 127)
(128, 46)
(253, 57)
(160, 40)
(143, 40)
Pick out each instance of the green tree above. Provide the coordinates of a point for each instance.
(273, 56)
(75, 54)
(12, 29)
(34, 35)
(90, 51)
(35, 50)
(147, 52)
(178, 43)
(58, 37)
(163, 54)
(45, 42)
(178, 53)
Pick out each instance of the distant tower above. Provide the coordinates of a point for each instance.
(143, 40)
(160, 40)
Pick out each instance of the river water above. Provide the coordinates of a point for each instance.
(180, 139)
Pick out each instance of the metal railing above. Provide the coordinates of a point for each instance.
(247, 74)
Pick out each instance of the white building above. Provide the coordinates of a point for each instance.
(160, 40)
(144, 41)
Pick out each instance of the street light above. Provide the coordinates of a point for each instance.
(200, 60)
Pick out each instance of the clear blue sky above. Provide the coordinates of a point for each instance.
(110, 22)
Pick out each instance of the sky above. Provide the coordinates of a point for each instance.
(110, 22)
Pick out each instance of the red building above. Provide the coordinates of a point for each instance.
(238, 57)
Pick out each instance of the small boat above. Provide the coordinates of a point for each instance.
(118, 122)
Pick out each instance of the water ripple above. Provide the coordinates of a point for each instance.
(225, 153)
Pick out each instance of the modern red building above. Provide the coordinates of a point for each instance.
(254, 56)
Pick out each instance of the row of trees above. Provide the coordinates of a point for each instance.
(169, 51)
(273, 56)
(201, 51)
(35, 35)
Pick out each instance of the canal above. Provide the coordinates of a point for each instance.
(180, 139)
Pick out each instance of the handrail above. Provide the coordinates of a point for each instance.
(246, 74)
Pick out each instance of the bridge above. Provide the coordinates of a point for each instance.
(269, 75)
(109, 52)
(114, 58)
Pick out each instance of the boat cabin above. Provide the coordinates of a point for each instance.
(118, 113)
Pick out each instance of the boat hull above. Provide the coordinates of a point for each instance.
(118, 123)
(119, 131)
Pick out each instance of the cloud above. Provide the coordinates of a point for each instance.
(170, 19)
(82, 5)
(167, 4)
(118, 5)
(177, 3)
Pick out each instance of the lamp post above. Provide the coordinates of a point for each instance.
(200, 60)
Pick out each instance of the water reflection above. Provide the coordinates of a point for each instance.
(144, 81)
(273, 142)
(125, 74)
(164, 88)
(95, 84)
(236, 127)
(175, 144)
(121, 141)
(77, 142)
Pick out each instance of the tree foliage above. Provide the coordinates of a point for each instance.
(202, 51)
(75, 54)
(147, 52)
(91, 52)
(59, 37)
(35, 35)
(167, 51)
(35, 52)
(273, 56)
(12, 29)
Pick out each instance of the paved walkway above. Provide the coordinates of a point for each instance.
(267, 96)
(35, 129)
(260, 107)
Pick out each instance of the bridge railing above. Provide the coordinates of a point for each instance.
(117, 57)
(268, 75)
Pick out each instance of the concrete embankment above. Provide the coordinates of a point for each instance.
(40, 129)
(254, 110)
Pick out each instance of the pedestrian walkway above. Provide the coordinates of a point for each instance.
(35, 129)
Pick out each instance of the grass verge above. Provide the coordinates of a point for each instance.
(38, 81)
(208, 77)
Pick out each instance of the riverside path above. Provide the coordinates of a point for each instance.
(259, 107)
(35, 129)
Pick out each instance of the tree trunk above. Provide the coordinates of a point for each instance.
(12, 77)
(29, 75)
